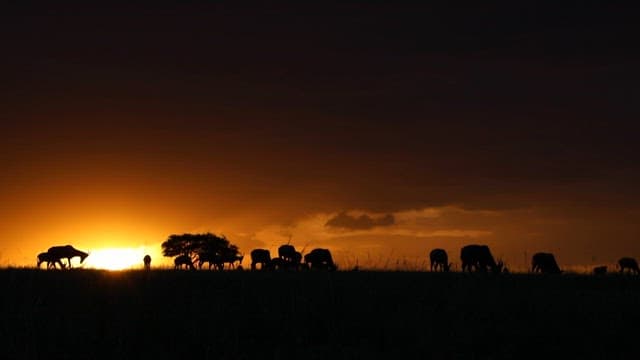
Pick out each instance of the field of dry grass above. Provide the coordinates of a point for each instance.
(314, 315)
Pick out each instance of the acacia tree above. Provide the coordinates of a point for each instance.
(192, 244)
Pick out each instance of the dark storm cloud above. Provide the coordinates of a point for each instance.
(362, 222)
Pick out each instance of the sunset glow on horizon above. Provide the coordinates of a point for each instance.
(115, 258)
(394, 131)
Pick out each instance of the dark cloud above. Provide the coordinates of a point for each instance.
(362, 222)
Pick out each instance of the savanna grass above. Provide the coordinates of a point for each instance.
(90, 314)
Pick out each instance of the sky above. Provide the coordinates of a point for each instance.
(378, 131)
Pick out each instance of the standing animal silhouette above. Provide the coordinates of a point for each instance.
(262, 257)
(544, 263)
(66, 252)
(147, 262)
(320, 259)
(479, 258)
(50, 260)
(183, 260)
(630, 264)
(439, 260)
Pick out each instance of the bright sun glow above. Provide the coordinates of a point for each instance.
(115, 258)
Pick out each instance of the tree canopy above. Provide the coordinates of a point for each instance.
(191, 244)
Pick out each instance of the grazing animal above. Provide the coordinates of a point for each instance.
(287, 252)
(278, 264)
(599, 270)
(210, 257)
(479, 258)
(439, 260)
(544, 263)
(183, 260)
(320, 259)
(297, 258)
(232, 259)
(66, 252)
(262, 257)
(147, 262)
(629, 264)
(50, 260)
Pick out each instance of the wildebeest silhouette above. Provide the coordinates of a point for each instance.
(279, 264)
(231, 259)
(628, 263)
(50, 260)
(66, 252)
(287, 252)
(218, 260)
(544, 263)
(147, 262)
(600, 270)
(479, 258)
(439, 260)
(183, 260)
(320, 259)
(210, 257)
(262, 257)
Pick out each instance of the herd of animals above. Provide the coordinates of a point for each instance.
(475, 258)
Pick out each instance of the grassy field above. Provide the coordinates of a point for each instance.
(85, 314)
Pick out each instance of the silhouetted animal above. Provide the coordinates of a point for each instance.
(439, 260)
(50, 260)
(599, 270)
(230, 259)
(297, 258)
(320, 259)
(479, 258)
(262, 257)
(147, 262)
(629, 264)
(544, 263)
(287, 252)
(278, 264)
(185, 260)
(66, 252)
(210, 257)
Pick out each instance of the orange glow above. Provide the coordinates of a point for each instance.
(115, 258)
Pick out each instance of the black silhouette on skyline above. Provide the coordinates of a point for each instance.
(147, 262)
(183, 261)
(628, 264)
(262, 257)
(439, 260)
(320, 259)
(600, 270)
(201, 248)
(57, 253)
(50, 260)
(478, 258)
(197, 249)
(545, 263)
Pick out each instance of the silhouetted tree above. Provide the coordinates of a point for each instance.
(185, 244)
(202, 248)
